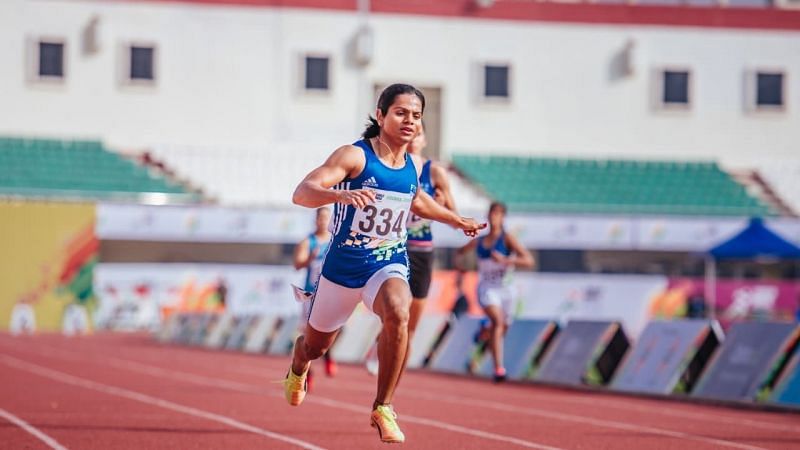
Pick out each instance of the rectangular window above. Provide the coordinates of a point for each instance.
(496, 81)
(317, 73)
(51, 59)
(676, 88)
(141, 63)
(769, 89)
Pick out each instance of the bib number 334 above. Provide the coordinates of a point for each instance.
(385, 219)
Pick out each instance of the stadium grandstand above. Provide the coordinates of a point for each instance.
(70, 169)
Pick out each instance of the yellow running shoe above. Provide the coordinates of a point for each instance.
(295, 387)
(385, 420)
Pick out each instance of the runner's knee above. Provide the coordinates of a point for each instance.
(395, 310)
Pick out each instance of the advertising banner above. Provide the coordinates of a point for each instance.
(538, 231)
(49, 252)
(559, 297)
(136, 296)
(571, 357)
(736, 300)
(787, 392)
(661, 356)
(744, 366)
(202, 223)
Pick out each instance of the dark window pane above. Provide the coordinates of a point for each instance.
(142, 63)
(316, 73)
(496, 81)
(676, 87)
(770, 89)
(51, 59)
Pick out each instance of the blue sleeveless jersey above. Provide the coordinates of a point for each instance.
(367, 239)
(419, 229)
(315, 265)
(490, 271)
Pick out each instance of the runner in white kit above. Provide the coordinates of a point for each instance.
(498, 254)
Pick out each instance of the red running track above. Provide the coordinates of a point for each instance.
(117, 391)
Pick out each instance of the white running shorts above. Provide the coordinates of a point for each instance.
(497, 295)
(333, 304)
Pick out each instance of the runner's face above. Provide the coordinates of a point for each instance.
(403, 120)
(496, 216)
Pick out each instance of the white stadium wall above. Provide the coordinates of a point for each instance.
(230, 76)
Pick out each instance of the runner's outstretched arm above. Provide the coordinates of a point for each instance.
(315, 189)
(425, 206)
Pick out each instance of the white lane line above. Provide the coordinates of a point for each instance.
(66, 378)
(52, 443)
(250, 389)
(655, 409)
(433, 423)
(626, 426)
(674, 412)
(582, 419)
(659, 409)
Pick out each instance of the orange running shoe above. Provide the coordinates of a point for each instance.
(384, 419)
(295, 387)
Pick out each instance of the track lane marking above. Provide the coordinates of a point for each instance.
(616, 404)
(52, 443)
(159, 372)
(67, 378)
(244, 387)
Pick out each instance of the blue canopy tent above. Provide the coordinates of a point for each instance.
(755, 242)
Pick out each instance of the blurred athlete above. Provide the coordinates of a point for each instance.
(309, 254)
(498, 253)
(374, 186)
(433, 180)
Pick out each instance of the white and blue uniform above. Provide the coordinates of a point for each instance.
(494, 278)
(368, 245)
(314, 270)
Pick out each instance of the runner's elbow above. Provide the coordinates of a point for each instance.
(299, 198)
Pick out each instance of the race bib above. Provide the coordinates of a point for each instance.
(384, 219)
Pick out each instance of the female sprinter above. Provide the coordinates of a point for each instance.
(498, 253)
(374, 186)
(433, 180)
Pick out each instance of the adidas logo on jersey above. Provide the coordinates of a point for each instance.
(371, 181)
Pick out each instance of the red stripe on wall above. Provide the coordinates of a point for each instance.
(715, 17)
(535, 11)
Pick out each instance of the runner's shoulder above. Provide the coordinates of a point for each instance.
(349, 157)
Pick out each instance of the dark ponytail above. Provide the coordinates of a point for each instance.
(385, 101)
(373, 129)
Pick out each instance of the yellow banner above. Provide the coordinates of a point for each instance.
(48, 254)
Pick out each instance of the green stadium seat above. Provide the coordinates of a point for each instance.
(609, 186)
(48, 167)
